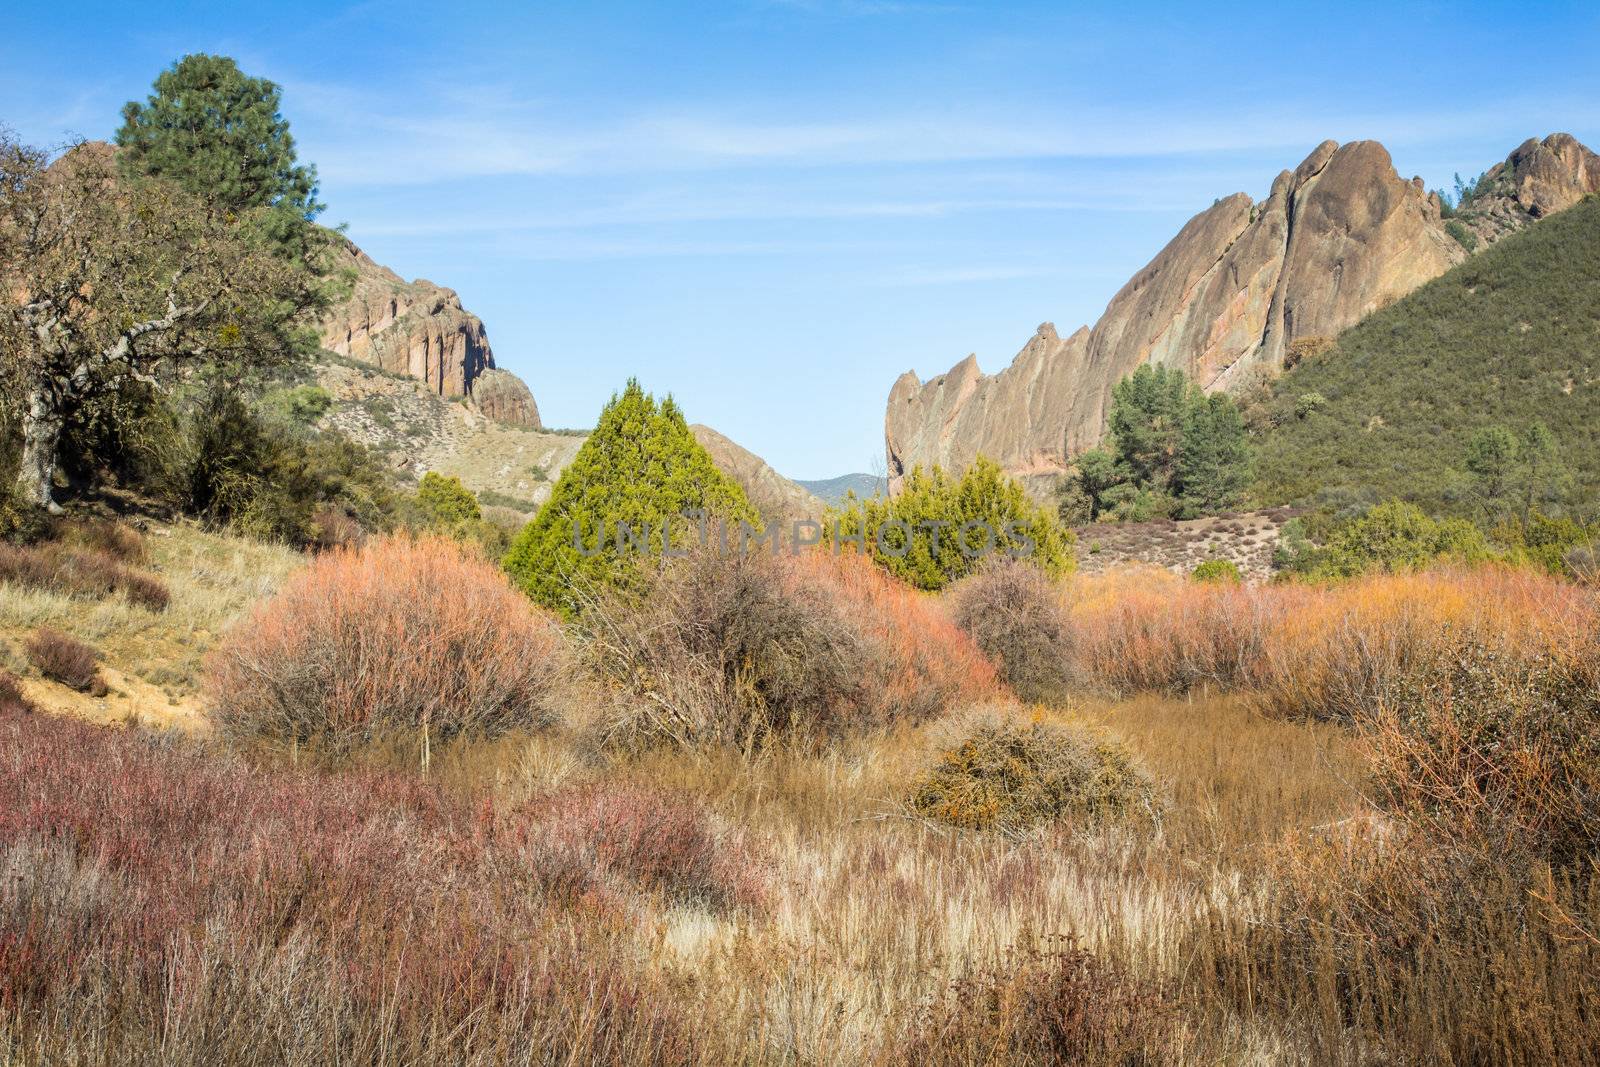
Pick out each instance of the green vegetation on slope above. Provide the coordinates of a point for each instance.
(1509, 339)
(938, 528)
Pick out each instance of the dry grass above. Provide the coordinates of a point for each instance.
(152, 660)
(536, 901)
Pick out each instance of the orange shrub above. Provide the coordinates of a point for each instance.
(922, 663)
(401, 635)
(1334, 651)
(745, 649)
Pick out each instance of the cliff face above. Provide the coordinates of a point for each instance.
(1337, 238)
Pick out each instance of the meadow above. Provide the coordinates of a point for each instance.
(1368, 833)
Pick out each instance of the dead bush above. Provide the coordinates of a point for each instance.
(1053, 1005)
(121, 542)
(89, 573)
(653, 840)
(1482, 749)
(1003, 775)
(400, 638)
(730, 650)
(1013, 611)
(333, 527)
(66, 660)
(749, 649)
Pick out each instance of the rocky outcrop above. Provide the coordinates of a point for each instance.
(415, 328)
(504, 397)
(1539, 179)
(776, 498)
(1337, 238)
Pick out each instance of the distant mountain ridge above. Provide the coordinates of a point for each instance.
(1339, 237)
(831, 491)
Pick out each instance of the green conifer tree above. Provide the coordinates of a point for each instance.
(641, 467)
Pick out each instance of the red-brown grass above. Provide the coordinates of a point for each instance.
(11, 695)
(66, 660)
(402, 637)
(161, 903)
(654, 839)
(89, 573)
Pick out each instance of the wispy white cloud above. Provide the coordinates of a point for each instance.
(483, 131)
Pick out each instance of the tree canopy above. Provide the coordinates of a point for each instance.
(1171, 451)
(219, 134)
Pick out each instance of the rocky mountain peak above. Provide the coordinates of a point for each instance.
(420, 329)
(1336, 238)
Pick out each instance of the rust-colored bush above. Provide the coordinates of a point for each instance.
(1014, 612)
(1335, 652)
(66, 660)
(750, 648)
(921, 663)
(402, 637)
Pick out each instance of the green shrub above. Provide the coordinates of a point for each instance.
(1395, 536)
(446, 501)
(1464, 237)
(640, 467)
(1308, 404)
(1008, 777)
(1220, 571)
(938, 529)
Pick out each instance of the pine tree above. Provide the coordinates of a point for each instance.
(1213, 457)
(641, 467)
(219, 134)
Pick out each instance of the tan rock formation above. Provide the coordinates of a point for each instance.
(1337, 238)
(504, 397)
(414, 328)
(775, 497)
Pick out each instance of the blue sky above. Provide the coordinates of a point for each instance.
(772, 208)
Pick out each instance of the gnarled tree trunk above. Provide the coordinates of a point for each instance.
(41, 434)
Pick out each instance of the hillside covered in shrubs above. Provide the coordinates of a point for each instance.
(1397, 406)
